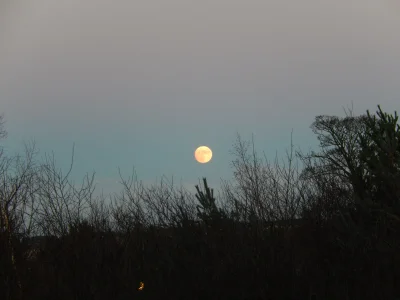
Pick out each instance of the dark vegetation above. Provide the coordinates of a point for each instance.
(327, 230)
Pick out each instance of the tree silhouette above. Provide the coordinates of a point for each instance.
(329, 231)
(381, 155)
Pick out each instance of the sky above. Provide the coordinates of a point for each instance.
(143, 83)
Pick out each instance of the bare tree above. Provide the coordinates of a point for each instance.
(285, 187)
(248, 194)
(62, 204)
(17, 184)
(127, 208)
(160, 204)
(339, 152)
(171, 205)
(99, 214)
(262, 191)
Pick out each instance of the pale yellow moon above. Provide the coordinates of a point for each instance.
(203, 154)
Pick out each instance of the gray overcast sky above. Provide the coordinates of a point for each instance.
(143, 83)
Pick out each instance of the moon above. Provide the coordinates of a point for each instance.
(203, 154)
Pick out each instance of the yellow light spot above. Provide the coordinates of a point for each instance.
(141, 286)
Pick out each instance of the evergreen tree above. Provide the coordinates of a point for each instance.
(380, 152)
(207, 211)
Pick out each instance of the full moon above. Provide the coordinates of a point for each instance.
(203, 154)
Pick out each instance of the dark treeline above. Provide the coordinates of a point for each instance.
(327, 229)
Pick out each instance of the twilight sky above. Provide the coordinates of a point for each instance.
(143, 83)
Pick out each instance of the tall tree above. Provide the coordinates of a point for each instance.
(380, 153)
(339, 152)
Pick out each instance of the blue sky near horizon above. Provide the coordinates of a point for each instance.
(143, 83)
